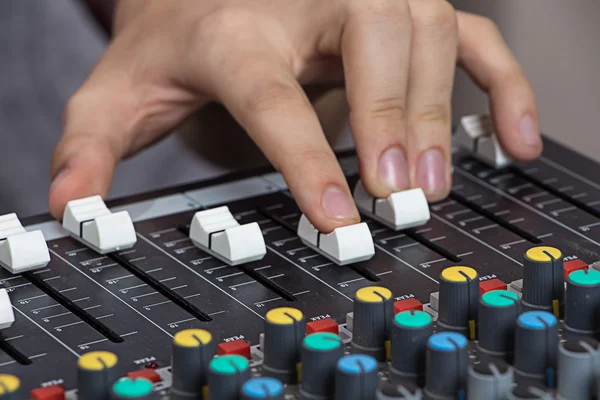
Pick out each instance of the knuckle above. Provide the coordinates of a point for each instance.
(219, 23)
(438, 15)
(388, 108)
(376, 10)
(436, 113)
(272, 94)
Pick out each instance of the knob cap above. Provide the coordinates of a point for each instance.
(536, 347)
(447, 363)
(192, 351)
(320, 354)
(11, 389)
(356, 378)
(262, 389)
(399, 391)
(582, 306)
(491, 380)
(373, 314)
(133, 388)
(226, 375)
(410, 332)
(498, 312)
(543, 280)
(459, 297)
(577, 368)
(284, 331)
(530, 391)
(97, 371)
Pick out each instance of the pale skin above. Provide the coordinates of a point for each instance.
(396, 59)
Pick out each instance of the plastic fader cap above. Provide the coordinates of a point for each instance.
(476, 132)
(345, 245)
(7, 315)
(92, 223)
(218, 233)
(21, 250)
(400, 210)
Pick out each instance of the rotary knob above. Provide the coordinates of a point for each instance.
(491, 380)
(399, 391)
(582, 304)
(356, 378)
(320, 354)
(11, 389)
(458, 302)
(97, 371)
(536, 347)
(498, 312)
(543, 280)
(529, 391)
(226, 376)
(373, 314)
(262, 389)
(284, 331)
(410, 332)
(192, 351)
(447, 363)
(578, 361)
(133, 388)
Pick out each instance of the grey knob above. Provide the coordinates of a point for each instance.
(577, 368)
(491, 380)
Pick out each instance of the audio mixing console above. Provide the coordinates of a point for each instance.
(464, 306)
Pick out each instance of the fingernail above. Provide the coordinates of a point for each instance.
(431, 173)
(530, 132)
(393, 169)
(337, 204)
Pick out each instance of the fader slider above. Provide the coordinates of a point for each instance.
(92, 223)
(218, 233)
(400, 210)
(21, 250)
(7, 315)
(345, 245)
(476, 133)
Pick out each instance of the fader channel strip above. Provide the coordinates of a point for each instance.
(132, 303)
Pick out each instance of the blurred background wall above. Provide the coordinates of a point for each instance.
(47, 49)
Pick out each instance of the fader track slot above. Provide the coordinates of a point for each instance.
(411, 233)
(72, 307)
(492, 217)
(362, 271)
(280, 221)
(160, 287)
(554, 191)
(13, 352)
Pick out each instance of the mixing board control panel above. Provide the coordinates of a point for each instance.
(470, 304)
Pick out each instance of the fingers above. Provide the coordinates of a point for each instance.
(486, 57)
(376, 50)
(432, 64)
(261, 92)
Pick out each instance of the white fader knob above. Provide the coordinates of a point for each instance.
(400, 210)
(476, 133)
(345, 245)
(218, 233)
(92, 223)
(7, 315)
(21, 250)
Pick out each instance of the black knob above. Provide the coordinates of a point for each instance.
(582, 306)
(410, 332)
(498, 312)
(529, 391)
(536, 347)
(458, 302)
(192, 351)
(356, 378)
(284, 331)
(373, 314)
(399, 391)
(490, 380)
(226, 375)
(577, 368)
(133, 388)
(97, 371)
(320, 354)
(262, 389)
(447, 363)
(543, 280)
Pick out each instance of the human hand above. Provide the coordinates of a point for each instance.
(396, 58)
